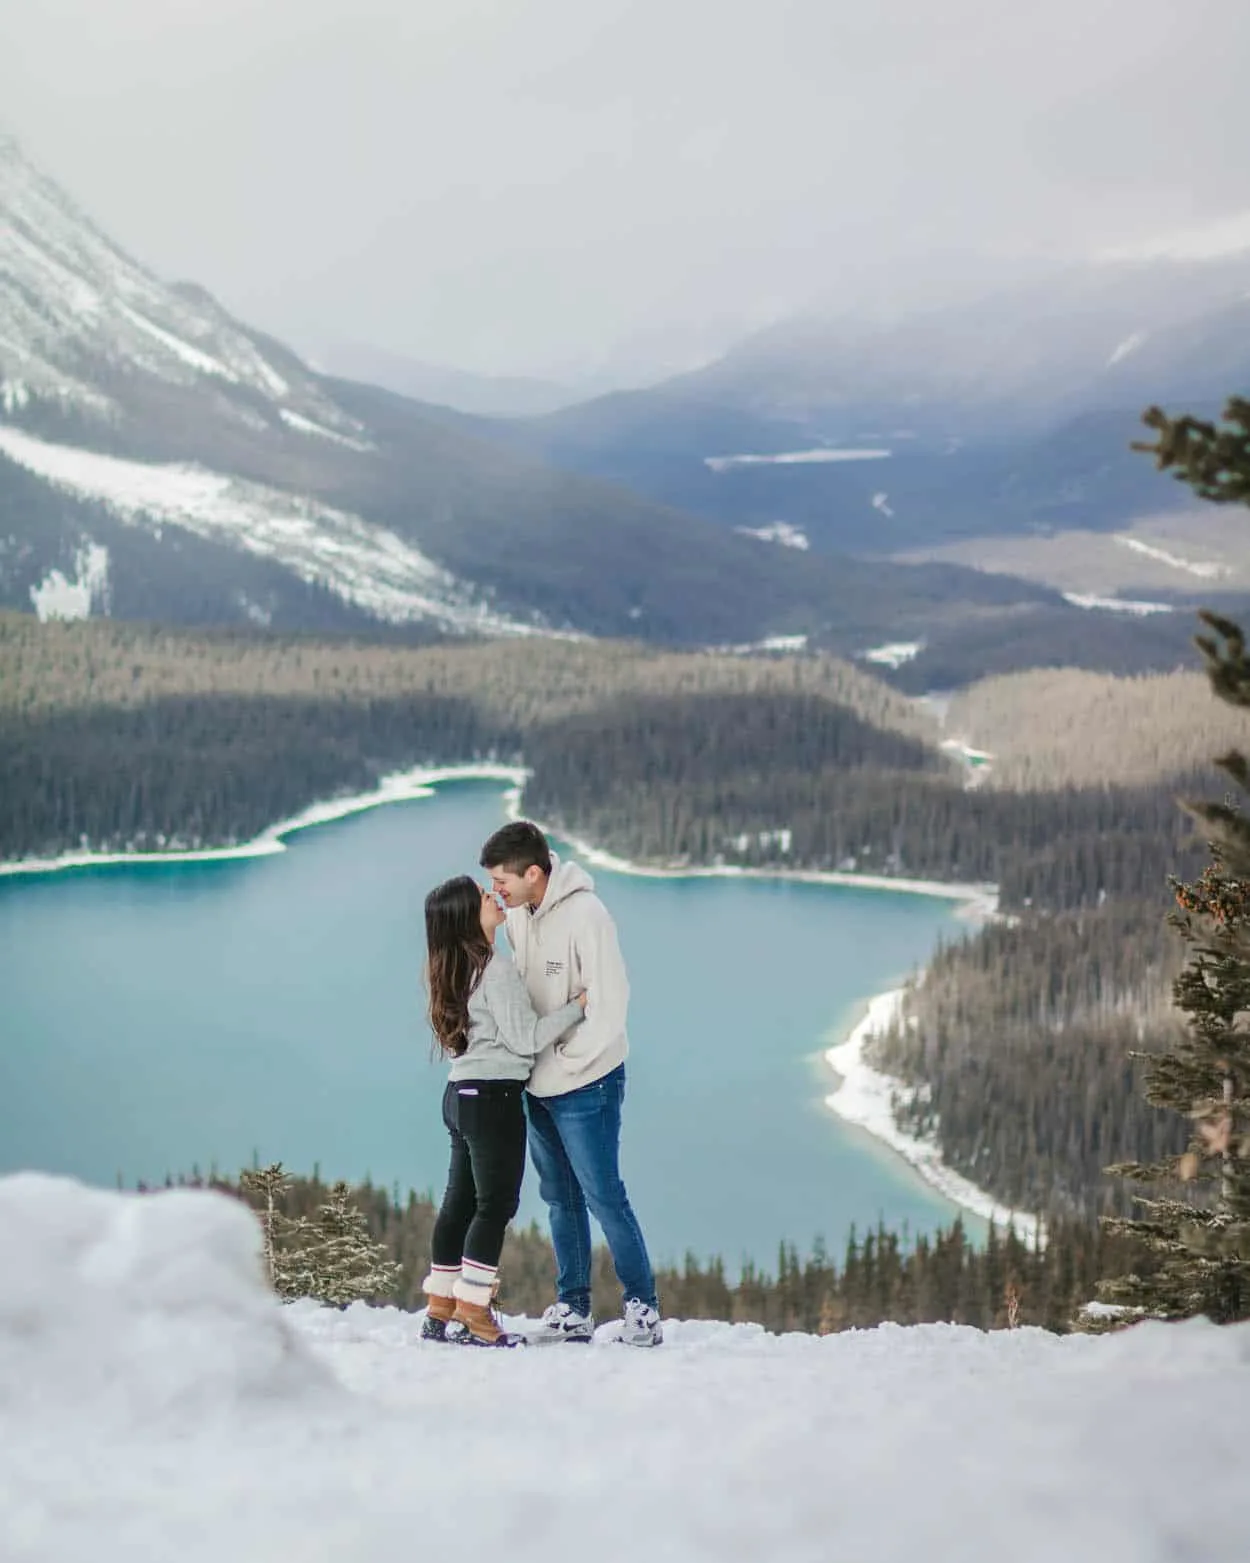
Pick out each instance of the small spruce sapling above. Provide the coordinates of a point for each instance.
(346, 1264)
(328, 1256)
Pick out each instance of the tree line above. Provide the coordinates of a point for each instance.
(789, 780)
(716, 779)
(880, 1276)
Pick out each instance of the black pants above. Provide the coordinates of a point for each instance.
(486, 1121)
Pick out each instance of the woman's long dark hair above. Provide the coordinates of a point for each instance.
(457, 953)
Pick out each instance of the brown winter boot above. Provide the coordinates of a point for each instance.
(475, 1311)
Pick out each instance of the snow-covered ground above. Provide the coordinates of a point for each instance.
(157, 1406)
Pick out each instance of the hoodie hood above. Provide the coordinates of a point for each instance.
(566, 879)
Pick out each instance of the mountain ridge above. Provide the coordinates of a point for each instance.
(101, 363)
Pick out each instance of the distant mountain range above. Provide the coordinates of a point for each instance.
(160, 459)
(1013, 413)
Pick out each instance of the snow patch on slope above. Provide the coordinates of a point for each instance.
(202, 363)
(793, 458)
(14, 395)
(782, 645)
(778, 532)
(1129, 345)
(57, 597)
(895, 654)
(304, 425)
(1207, 570)
(360, 562)
(1117, 604)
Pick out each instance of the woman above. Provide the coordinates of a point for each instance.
(483, 1021)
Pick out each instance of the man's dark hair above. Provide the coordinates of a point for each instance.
(517, 847)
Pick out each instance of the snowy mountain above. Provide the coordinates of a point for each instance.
(159, 459)
(1009, 413)
(78, 318)
(139, 405)
(157, 1403)
(1018, 361)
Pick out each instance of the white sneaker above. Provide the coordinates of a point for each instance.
(641, 1326)
(562, 1323)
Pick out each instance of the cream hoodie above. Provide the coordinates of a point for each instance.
(562, 947)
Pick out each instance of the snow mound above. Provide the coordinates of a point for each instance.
(138, 1306)
(157, 1404)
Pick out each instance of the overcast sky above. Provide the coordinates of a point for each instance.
(528, 184)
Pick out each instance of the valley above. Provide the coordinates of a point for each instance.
(755, 618)
(120, 737)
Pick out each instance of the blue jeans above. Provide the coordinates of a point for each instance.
(575, 1143)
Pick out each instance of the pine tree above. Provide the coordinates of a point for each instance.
(1214, 460)
(285, 1238)
(1202, 1241)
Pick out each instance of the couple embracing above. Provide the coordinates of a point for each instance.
(542, 1037)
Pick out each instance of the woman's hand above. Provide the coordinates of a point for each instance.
(583, 999)
(492, 914)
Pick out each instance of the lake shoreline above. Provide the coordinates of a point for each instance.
(980, 900)
(398, 787)
(864, 1097)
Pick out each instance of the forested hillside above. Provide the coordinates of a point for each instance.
(1015, 1047)
(997, 641)
(1068, 728)
(111, 663)
(120, 737)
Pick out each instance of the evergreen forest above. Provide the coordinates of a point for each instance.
(879, 1277)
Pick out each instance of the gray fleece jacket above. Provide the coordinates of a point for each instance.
(505, 1033)
(566, 945)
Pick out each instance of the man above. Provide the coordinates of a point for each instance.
(565, 942)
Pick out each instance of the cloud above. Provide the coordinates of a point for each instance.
(513, 185)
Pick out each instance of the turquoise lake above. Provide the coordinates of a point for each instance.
(160, 1017)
